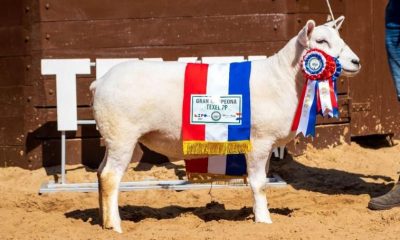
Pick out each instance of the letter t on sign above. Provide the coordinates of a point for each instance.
(66, 71)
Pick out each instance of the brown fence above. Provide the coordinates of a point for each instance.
(31, 30)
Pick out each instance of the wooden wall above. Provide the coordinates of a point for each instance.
(15, 57)
(375, 107)
(145, 29)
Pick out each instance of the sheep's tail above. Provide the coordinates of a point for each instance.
(92, 88)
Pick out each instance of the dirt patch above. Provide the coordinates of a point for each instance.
(326, 199)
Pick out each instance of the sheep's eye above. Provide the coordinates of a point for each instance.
(322, 41)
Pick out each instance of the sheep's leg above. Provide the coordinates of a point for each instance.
(256, 166)
(99, 170)
(110, 174)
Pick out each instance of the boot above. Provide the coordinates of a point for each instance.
(387, 201)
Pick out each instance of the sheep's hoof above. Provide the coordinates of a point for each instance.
(112, 226)
(117, 229)
(263, 219)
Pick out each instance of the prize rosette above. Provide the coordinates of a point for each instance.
(319, 94)
(338, 70)
(317, 65)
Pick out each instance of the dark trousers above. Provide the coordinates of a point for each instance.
(393, 41)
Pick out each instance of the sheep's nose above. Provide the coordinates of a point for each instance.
(355, 61)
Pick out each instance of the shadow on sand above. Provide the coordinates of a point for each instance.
(298, 175)
(329, 181)
(212, 211)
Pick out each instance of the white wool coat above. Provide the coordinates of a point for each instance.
(144, 100)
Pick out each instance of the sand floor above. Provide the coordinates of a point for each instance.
(326, 198)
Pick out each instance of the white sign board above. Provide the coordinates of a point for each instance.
(206, 109)
(66, 71)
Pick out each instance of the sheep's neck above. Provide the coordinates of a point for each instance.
(288, 62)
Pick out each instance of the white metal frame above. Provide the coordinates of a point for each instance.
(65, 71)
(177, 185)
(64, 146)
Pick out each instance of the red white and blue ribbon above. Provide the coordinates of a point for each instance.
(229, 165)
(216, 109)
(319, 95)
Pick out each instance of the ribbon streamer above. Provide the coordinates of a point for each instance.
(319, 94)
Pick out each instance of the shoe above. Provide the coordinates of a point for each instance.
(387, 201)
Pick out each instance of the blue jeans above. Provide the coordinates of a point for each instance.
(393, 41)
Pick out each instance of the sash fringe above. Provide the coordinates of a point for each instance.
(217, 148)
(215, 178)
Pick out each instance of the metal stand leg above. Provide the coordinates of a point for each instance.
(275, 151)
(63, 143)
(281, 152)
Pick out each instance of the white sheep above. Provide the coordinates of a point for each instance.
(141, 101)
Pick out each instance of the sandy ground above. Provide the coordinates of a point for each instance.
(326, 198)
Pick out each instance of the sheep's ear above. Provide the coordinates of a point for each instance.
(336, 24)
(339, 22)
(305, 34)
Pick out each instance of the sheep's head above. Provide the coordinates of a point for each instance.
(326, 37)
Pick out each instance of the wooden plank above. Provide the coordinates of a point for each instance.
(33, 68)
(364, 86)
(170, 52)
(12, 131)
(129, 32)
(171, 31)
(14, 41)
(72, 10)
(13, 71)
(343, 84)
(315, 6)
(299, 20)
(37, 120)
(49, 130)
(326, 136)
(89, 152)
(163, 32)
(41, 123)
(13, 156)
(12, 101)
(344, 112)
(11, 12)
(50, 114)
(84, 96)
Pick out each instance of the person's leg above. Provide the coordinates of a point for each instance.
(392, 198)
(387, 201)
(393, 42)
(393, 51)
